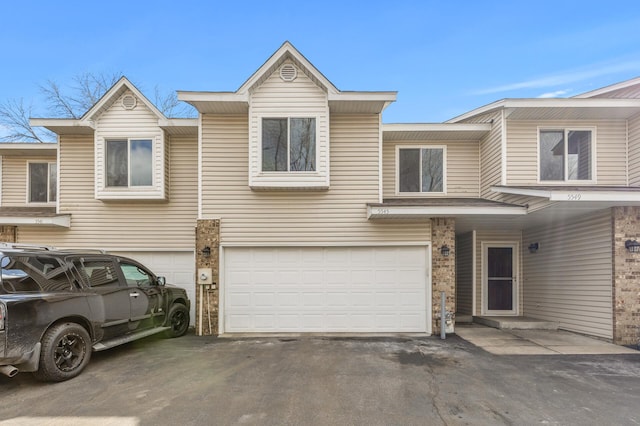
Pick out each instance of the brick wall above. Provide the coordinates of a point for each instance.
(443, 275)
(626, 277)
(207, 296)
(8, 234)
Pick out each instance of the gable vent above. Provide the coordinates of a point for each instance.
(129, 102)
(288, 72)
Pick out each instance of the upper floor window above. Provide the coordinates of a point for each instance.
(421, 169)
(288, 144)
(566, 155)
(43, 182)
(129, 163)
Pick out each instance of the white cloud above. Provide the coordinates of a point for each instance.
(554, 94)
(566, 77)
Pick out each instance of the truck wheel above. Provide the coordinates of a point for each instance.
(178, 320)
(66, 350)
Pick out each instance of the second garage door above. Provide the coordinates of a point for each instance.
(326, 289)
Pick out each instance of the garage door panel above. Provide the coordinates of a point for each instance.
(337, 289)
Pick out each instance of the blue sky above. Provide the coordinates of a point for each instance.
(443, 57)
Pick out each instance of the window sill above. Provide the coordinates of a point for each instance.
(128, 194)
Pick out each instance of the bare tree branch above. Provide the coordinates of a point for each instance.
(14, 117)
(170, 106)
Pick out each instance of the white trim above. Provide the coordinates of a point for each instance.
(199, 166)
(388, 212)
(58, 185)
(503, 147)
(186, 96)
(49, 203)
(380, 164)
(515, 254)
(608, 89)
(1, 180)
(63, 221)
(324, 244)
(420, 147)
(577, 195)
(474, 278)
(593, 155)
(626, 137)
(436, 127)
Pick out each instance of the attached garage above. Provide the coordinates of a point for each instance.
(178, 267)
(326, 289)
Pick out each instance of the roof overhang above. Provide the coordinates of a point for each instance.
(575, 194)
(216, 102)
(559, 109)
(64, 126)
(17, 216)
(435, 131)
(426, 209)
(28, 148)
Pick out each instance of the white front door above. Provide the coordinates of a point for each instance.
(326, 289)
(500, 278)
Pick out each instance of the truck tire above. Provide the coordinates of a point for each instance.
(66, 350)
(178, 320)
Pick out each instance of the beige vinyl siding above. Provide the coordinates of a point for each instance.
(300, 98)
(139, 123)
(634, 151)
(336, 216)
(487, 236)
(15, 178)
(491, 156)
(522, 150)
(569, 279)
(122, 224)
(462, 168)
(464, 274)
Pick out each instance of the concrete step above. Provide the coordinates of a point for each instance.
(464, 319)
(515, 323)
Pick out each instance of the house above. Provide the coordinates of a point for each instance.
(297, 210)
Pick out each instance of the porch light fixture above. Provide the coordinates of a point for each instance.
(632, 246)
(206, 252)
(444, 250)
(533, 247)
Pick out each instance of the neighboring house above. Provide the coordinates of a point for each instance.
(310, 215)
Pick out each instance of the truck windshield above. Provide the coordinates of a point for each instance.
(26, 273)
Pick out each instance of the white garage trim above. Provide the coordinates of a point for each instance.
(386, 306)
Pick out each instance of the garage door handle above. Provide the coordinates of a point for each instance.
(134, 294)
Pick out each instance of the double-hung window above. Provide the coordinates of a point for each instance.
(566, 155)
(43, 182)
(421, 169)
(129, 163)
(289, 144)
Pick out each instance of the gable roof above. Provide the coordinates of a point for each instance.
(624, 89)
(284, 53)
(85, 124)
(113, 94)
(238, 101)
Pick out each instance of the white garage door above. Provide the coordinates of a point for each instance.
(177, 267)
(326, 289)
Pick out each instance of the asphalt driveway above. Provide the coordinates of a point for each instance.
(315, 380)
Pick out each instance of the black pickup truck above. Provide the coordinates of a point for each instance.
(58, 306)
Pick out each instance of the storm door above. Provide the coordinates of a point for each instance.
(500, 279)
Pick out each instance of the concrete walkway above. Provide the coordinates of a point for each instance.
(536, 342)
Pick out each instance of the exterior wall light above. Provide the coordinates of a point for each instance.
(444, 250)
(206, 252)
(533, 247)
(632, 246)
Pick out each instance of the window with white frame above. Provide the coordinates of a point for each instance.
(43, 182)
(129, 163)
(566, 155)
(289, 144)
(421, 169)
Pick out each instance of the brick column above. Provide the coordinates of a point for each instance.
(443, 273)
(207, 235)
(626, 277)
(8, 233)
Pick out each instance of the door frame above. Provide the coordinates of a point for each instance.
(515, 246)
